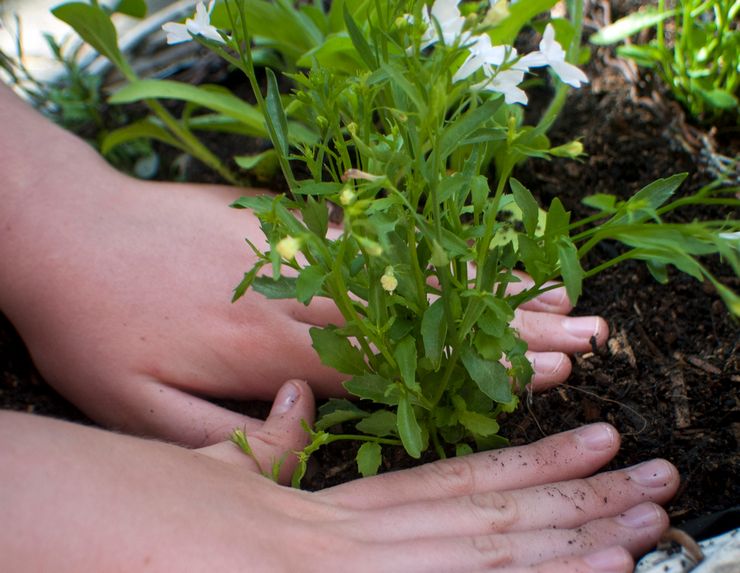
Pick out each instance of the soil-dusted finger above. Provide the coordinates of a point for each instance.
(569, 455)
(562, 505)
(609, 560)
(636, 530)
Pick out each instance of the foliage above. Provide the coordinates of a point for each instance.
(697, 57)
(408, 117)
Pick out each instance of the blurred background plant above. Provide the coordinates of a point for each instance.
(694, 50)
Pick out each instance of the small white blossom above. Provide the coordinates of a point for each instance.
(505, 82)
(731, 236)
(199, 25)
(450, 21)
(288, 247)
(388, 281)
(347, 196)
(483, 55)
(552, 54)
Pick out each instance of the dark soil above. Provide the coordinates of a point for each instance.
(670, 374)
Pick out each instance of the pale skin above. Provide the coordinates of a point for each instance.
(121, 288)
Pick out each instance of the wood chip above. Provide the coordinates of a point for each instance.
(703, 365)
(619, 346)
(680, 399)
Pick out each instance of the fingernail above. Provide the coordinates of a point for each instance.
(582, 326)
(644, 515)
(548, 362)
(597, 436)
(554, 297)
(608, 560)
(655, 473)
(286, 397)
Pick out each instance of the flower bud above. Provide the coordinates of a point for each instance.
(389, 281)
(352, 128)
(572, 149)
(347, 196)
(288, 247)
(322, 122)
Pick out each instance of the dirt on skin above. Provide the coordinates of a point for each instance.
(669, 376)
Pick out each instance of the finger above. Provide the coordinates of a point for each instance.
(147, 407)
(561, 457)
(321, 311)
(636, 530)
(610, 560)
(554, 300)
(546, 331)
(273, 445)
(566, 504)
(550, 369)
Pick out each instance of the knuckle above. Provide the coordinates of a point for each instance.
(453, 476)
(498, 510)
(494, 550)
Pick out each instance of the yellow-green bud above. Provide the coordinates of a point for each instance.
(572, 149)
(347, 196)
(496, 13)
(322, 122)
(352, 128)
(288, 247)
(389, 281)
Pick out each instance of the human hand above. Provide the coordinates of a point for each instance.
(519, 509)
(121, 292)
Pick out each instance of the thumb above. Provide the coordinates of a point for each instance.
(276, 441)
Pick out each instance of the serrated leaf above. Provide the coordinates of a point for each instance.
(359, 41)
(408, 428)
(283, 287)
(642, 205)
(309, 283)
(335, 417)
(463, 127)
(369, 456)
(380, 423)
(316, 217)
(490, 377)
(336, 351)
(479, 424)
(373, 387)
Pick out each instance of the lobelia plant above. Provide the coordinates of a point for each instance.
(697, 58)
(407, 117)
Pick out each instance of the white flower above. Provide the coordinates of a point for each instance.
(200, 25)
(731, 236)
(552, 54)
(505, 82)
(484, 55)
(450, 21)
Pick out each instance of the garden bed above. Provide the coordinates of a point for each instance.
(669, 376)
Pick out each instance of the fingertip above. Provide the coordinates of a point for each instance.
(598, 437)
(550, 369)
(610, 560)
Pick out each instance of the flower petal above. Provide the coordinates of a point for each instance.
(176, 33)
(569, 74)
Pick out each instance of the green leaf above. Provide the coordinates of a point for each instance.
(359, 41)
(719, 98)
(570, 267)
(601, 201)
(143, 129)
(276, 114)
(526, 202)
(479, 424)
(336, 351)
(260, 204)
(247, 281)
(316, 217)
(311, 187)
(373, 387)
(434, 332)
(342, 411)
(95, 27)
(405, 355)
(460, 129)
(520, 14)
(220, 100)
(133, 8)
(336, 53)
(250, 162)
(368, 459)
(491, 377)
(631, 24)
(283, 287)
(642, 205)
(309, 283)
(408, 428)
(380, 423)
